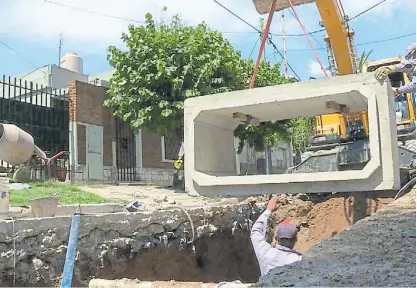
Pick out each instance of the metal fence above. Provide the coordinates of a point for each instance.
(125, 151)
(40, 111)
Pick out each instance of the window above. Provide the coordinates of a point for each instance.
(170, 145)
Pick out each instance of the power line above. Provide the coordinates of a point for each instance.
(362, 44)
(367, 10)
(94, 12)
(350, 19)
(237, 16)
(253, 48)
(224, 7)
(312, 36)
(20, 55)
(260, 32)
(308, 39)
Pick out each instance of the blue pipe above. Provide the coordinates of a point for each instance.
(71, 251)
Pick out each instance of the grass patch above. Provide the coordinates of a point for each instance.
(67, 194)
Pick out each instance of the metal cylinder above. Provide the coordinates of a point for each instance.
(16, 146)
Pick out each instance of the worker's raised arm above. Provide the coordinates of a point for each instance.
(409, 88)
(258, 232)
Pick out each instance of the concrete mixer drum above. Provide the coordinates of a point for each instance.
(16, 145)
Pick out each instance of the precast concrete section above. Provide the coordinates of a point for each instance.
(159, 245)
(210, 169)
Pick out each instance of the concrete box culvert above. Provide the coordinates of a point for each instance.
(209, 138)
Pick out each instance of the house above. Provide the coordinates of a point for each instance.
(103, 147)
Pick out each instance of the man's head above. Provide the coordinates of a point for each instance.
(410, 53)
(286, 233)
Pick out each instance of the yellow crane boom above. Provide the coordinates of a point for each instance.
(331, 129)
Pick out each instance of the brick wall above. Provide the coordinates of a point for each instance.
(152, 152)
(86, 106)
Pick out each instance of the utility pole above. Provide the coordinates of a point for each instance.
(262, 25)
(61, 43)
(284, 44)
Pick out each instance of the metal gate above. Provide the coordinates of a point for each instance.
(39, 110)
(125, 151)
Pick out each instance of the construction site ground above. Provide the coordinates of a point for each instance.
(153, 197)
(378, 251)
(318, 218)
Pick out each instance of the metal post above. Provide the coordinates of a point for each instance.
(267, 159)
(284, 45)
(264, 37)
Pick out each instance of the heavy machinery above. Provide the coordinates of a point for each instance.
(16, 147)
(405, 106)
(341, 140)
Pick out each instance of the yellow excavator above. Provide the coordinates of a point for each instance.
(405, 104)
(341, 141)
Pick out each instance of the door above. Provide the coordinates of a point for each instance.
(95, 152)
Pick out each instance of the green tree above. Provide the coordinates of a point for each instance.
(164, 64)
(270, 133)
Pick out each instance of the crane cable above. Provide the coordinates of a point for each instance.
(342, 10)
(308, 38)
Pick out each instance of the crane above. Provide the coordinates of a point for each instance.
(343, 135)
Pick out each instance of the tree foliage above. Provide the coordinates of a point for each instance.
(166, 63)
(272, 132)
(362, 59)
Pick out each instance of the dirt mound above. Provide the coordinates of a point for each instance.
(376, 252)
(320, 217)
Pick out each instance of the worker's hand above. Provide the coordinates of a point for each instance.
(397, 92)
(272, 204)
(382, 72)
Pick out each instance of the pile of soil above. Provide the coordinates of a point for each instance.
(320, 217)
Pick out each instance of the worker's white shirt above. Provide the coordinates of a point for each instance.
(270, 257)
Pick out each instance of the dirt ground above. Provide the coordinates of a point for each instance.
(378, 251)
(135, 283)
(152, 197)
(319, 218)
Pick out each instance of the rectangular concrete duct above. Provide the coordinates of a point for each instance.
(210, 168)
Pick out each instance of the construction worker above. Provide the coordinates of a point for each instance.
(282, 254)
(406, 66)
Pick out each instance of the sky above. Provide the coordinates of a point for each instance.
(30, 30)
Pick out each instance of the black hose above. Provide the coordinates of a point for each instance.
(405, 187)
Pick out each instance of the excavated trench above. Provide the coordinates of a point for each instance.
(153, 247)
(219, 257)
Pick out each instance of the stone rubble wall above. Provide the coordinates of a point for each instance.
(41, 243)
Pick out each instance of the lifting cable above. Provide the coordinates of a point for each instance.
(308, 39)
(342, 10)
